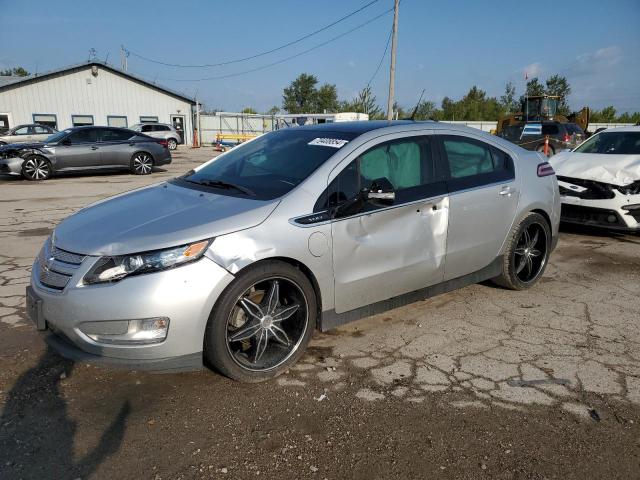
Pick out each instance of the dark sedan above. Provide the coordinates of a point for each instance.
(85, 148)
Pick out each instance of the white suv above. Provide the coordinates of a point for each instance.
(160, 130)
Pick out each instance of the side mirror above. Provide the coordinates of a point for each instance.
(66, 142)
(381, 191)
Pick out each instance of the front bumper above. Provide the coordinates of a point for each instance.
(11, 166)
(607, 213)
(186, 295)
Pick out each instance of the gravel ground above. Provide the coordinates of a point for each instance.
(477, 383)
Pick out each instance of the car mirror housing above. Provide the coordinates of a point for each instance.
(381, 191)
(65, 142)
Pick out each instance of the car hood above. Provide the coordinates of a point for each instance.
(156, 217)
(614, 169)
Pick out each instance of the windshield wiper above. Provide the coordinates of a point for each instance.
(223, 184)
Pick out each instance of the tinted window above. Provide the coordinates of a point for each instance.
(161, 128)
(147, 128)
(467, 158)
(407, 164)
(474, 163)
(272, 164)
(550, 129)
(613, 143)
(21, 131)
(113, 135)
(40, 130)
(573, 128)
(86, 135)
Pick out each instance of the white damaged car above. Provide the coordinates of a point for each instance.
(599, 181)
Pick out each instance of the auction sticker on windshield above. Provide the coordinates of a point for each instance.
(329, 142)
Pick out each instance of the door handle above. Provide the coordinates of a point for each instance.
(506, 191)
(94, 147)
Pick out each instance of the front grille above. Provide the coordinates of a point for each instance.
(594, 190)
(66, 257)
(56, 267)
(591, 216)
(53, 279)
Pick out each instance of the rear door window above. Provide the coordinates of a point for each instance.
(86, 135)
(113, 135)
(473, 163)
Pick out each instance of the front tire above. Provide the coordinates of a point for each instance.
(527, 253)
(141, 163)
(261, 323)
(172, 144)
(36, 168)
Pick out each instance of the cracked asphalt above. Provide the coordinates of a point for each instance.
(477, 383)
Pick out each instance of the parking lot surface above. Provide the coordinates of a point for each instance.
(478, 383)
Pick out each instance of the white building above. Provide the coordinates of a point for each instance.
(92, 93)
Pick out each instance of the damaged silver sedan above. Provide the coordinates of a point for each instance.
(239, 261)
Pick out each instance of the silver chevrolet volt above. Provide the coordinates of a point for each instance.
(236, 263)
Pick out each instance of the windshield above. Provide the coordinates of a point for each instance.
(271, 165)
(136, 127)
(612, 143)
(56, 137)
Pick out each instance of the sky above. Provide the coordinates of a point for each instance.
(444, 47)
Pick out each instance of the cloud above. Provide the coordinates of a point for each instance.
(533, 70)
(596, 61)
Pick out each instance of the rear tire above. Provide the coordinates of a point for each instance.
(527, 253)
(172, 144)
(141, 163)
(36, 168)
(257, 330)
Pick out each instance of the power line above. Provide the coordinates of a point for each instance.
(291, 57)
(251, 57)
(384, 54)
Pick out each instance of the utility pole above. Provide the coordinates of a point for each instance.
(123, 58)
(392, 70)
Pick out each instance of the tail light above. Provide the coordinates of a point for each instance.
(164, 143)
(544, 170)
(567, 138)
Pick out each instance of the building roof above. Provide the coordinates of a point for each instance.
(7, 79)
(10, 82)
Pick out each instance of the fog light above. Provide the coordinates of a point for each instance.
(132, 332)
(612, 219)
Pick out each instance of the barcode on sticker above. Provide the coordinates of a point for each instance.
(329, 142)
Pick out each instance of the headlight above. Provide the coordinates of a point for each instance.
(112, 269)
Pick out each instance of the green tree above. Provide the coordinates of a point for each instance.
(534, 88)
(508, 100)
(326, 99)
(557, 85)
(16, 71)
(249, 110)
(365, 102)
(426, 110)
(300, 95)
(608, 114)
(273, 111)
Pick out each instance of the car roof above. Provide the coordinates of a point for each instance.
(356, 127)
(628, 128)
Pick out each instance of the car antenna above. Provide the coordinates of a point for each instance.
(415, 110)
